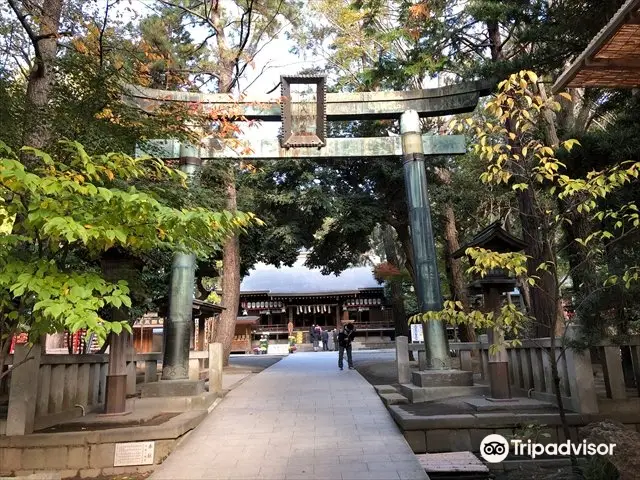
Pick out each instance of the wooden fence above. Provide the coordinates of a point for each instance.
(586, 386)
(51, 388)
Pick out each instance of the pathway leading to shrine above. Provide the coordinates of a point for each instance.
(302, 418)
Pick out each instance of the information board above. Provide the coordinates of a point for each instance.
(417, 334)
(133, 453)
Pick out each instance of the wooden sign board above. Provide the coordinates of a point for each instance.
(133, 453)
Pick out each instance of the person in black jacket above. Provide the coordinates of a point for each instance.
(325, 340)
(345, 338)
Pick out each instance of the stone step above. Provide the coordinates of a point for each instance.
(442, 378)
(394, 399)
(459, 465)
(385, 389)
(417, 394)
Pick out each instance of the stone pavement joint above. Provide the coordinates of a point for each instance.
(301, 418)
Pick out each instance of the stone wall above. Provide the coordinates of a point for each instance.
(90, 454)
(464, 432)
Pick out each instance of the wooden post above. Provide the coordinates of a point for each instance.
(116, 390)
(498, 362)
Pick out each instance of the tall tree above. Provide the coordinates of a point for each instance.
(236, 33)
(41, 22)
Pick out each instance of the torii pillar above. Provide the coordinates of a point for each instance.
(424, 245)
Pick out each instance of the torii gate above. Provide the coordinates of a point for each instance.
(408, 106)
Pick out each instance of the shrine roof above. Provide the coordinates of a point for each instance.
(494, 238)
(301, 280)
(612, 58)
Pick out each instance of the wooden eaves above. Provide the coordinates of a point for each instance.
(612, 58)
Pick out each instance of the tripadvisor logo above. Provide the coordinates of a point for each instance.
(495, 448)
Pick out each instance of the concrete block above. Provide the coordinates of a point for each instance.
(116, 470)
(413, 393)
(416, 440)
(68, 474)
(10, 460)
(150, 371)
(438, 441)
(55, 458)
(442, 378)
(131, 378)
(393, 399)
(33, 458)
(173, 388)
(459, 440)
(90, 472)
(101, 456)
(78, 457)
(385, 389)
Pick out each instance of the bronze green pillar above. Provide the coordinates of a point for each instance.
(424, 247)
(178, 325)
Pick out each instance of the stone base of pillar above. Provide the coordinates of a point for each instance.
(442, 378)
(173, 388)
(116, 395)
(499, 378)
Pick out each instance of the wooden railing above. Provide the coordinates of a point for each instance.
(50, 388)
(530, 370)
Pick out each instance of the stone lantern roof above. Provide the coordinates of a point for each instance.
(494, 238)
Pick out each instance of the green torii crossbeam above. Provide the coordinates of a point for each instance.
(407, 106)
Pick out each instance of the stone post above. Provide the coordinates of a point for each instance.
(215, 368)
(584, 398)
(424, 247)
(23, 390)
(178, 325)
(402, 360)
(498, 361)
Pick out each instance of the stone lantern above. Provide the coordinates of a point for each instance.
(492, 286)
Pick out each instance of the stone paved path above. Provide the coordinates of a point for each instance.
(302, 419)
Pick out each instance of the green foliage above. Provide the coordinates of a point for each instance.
(59, 218)
(508, 139)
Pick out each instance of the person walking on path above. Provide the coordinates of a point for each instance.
(318, 337)
(290, 328)
(345, 338)
(335, 339)
(312, 337)
(325, 340)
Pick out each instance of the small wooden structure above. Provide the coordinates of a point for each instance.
(492, 286)
(242, 338)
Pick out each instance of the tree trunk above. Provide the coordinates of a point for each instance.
(543, 295)
(226, 327)
(457, 283)
(407, 248)
(37, 132)
(397, 297)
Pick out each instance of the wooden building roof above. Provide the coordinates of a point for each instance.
(612, 59)
(494, 238)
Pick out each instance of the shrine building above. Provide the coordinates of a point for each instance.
(271, 296)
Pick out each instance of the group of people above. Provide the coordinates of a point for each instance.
(342, 340)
